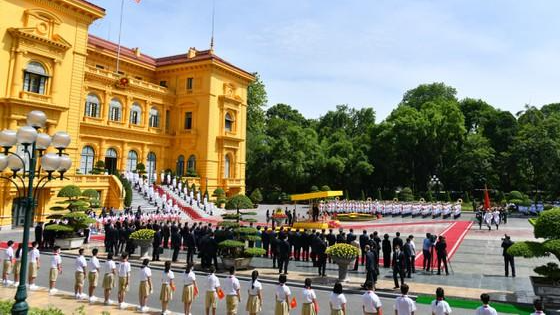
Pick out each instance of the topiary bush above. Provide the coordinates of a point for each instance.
(127, 190)
(219, 193)
(256, 196)
(239, 202)
(406, 194)
(76, 204)
(547, 226)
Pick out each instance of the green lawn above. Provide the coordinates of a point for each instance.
(469, 304)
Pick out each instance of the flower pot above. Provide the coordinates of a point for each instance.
(278, 221)
(343, 264)
(69, 242)
(145, 246)
(547, 290)
(238, 263)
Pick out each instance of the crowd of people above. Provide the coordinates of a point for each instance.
(117, 274)
(392, 208)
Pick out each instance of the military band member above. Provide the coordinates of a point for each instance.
(488, 219)
(457, 210)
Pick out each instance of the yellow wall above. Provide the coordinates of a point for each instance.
(55, 33)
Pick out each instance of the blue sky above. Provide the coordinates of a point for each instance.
(316, 54)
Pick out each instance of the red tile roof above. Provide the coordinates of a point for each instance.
(159, 62)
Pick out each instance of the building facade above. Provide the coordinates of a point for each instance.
(185, 113)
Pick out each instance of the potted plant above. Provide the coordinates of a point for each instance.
(279, 216)
(143, 238)
(239, 250)
(73, 218)
(343, 255)
(236, 252)
(546, 226)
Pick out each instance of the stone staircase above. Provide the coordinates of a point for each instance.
(147, 207)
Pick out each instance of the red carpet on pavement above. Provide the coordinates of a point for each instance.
(454, 235)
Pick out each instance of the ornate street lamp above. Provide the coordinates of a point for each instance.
(435, 182)
(30, 179)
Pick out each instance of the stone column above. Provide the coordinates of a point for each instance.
(124, 156)
(145, 115)
(17, 79)
(55, 80)
(105, 107)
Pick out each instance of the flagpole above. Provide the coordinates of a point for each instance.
(213, 15)
(119, 42)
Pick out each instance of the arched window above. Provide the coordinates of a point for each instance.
(111, 153)
(135, 114)
(154, 117)
(35, 78)
(228, 122)
(86, 162)
(115, 109)
(92, 105)
(151, 167)
(180, 165)
(131, 161)
(227, 163)
(191, 166)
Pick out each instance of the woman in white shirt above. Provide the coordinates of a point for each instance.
(110, 270)
(309, 299)
(282, 297)
(190, 290)
(145, 288)
(337, 300)
(439, 305)
(254, 302)
(167, 287)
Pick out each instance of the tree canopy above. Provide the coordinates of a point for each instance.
(467, 143)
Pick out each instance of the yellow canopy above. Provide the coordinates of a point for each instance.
(316, 195)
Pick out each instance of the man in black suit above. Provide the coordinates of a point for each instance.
(166, 231)
(398, 240)
(265, 239)
(386, 246)
(156, 244)
(371, 270)
(364, 240)
(39, 234)
(508, 259)
(398, 266)
(407, 249)
(211, 247)
(175, 242)
(331, 240)
(283, 254)
(321, 255)
(273, 247)
(351, 236)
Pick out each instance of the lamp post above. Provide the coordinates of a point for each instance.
(30, 179)
(435, 182)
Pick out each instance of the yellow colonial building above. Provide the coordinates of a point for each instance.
(185, 113)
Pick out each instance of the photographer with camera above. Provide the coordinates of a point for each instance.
(427, 249)
(508, 259)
